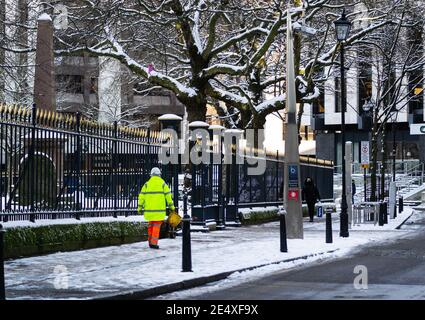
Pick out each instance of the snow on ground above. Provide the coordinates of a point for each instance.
(385, 233)
(118, 269)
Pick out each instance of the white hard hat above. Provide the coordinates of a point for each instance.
(155, 171)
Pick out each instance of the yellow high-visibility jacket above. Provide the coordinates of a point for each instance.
(154, 198)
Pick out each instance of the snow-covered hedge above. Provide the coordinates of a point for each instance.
(29, 241)
(260, 215)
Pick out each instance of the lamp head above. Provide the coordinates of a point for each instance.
(342, 27)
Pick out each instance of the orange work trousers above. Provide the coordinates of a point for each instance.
(153, 231)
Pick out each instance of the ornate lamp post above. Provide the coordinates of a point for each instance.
(342, 28)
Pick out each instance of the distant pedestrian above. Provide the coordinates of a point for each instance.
(154, 198)
(353, 189)
(310, 194)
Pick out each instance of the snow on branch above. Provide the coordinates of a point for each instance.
(272, 104)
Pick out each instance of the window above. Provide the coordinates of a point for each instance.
(93, 85)
(70, 83)
(319, 103)
(416, 95)
(390, 90)
(365, 84)
(416, 78)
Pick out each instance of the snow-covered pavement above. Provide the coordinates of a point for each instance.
(135, 267)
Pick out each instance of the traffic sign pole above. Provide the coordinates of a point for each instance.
(364, 159)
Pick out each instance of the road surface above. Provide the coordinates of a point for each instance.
(394, 271)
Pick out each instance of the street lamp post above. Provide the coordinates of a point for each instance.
(342, 28)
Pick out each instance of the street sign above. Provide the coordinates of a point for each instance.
(417, 129)
(293, 176)
(364, 154)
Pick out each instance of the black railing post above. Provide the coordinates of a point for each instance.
(114, 168)
(221, 190)
(2, 283)
(187, 250)
(235, 176)
(283, 240)
(328, 213)
(264, 189)
(32, 162)
(381, 214)
(78, 166)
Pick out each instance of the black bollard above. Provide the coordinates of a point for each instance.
(400, 205)
(395, 210)
(187, 251)
(283, 242)
(385, 214)
(2, 285)
(381, 214)
(329, 238)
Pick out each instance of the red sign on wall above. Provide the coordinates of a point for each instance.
(293, 195)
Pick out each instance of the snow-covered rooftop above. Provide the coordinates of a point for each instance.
(169, 116)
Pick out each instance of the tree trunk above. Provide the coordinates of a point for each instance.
(196, 112)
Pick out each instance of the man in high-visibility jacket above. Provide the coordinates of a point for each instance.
(154, 198)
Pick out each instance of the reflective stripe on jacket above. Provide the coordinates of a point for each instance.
(154, 198)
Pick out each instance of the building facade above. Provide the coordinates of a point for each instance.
(366, 80)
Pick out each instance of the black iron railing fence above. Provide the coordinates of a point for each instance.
(220, 189)
(60, 166)
(57, 165)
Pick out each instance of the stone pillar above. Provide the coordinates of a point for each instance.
(44, 82)
(173, 122)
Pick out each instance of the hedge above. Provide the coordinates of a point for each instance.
(30, 241)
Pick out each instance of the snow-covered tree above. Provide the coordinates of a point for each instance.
(226, 52)
(17, 50)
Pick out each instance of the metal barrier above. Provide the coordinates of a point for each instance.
(366, 212)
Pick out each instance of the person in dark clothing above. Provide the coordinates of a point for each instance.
(310, 194)
(353, 189)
